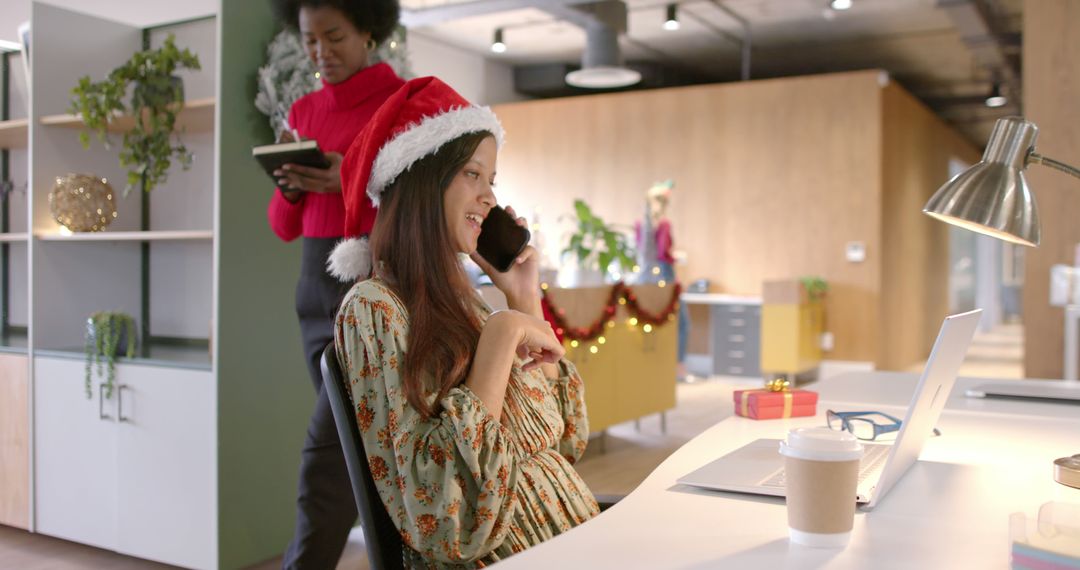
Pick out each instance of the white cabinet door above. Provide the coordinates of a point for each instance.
(75, 455)
(166, 476)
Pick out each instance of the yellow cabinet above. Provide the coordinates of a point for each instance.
(791, 328)
(630, 374)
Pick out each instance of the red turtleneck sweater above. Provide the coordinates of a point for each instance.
(333, 115)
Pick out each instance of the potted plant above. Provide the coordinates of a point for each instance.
(157, 96)
(108, 335)
(596, 244)
(816, 287)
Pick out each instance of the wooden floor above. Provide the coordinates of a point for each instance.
(614, 464)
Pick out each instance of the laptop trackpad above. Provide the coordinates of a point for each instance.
(740, 470)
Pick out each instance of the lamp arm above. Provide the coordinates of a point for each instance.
(1036, 158)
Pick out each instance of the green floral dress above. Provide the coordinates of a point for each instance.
(463, 489)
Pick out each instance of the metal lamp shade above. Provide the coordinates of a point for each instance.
(993, 197)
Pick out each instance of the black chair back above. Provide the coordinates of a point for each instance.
(384, 546)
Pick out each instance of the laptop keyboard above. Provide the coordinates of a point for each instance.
(871, 462)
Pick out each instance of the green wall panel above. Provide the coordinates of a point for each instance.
(264, 394)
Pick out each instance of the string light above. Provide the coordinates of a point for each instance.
(633, 321)
(601, 340)
(593, 349)
(656, 271)
(662, 283)
(647, 328)
(574, 344)
(543, 286)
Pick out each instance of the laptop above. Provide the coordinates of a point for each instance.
(758, 467)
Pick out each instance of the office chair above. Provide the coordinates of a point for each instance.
(384, 548)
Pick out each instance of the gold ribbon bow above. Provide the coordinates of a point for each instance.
(778, 385)
(774, 385)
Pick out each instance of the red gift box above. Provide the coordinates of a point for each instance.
(768, 405)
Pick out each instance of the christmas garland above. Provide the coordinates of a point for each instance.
(621, 294)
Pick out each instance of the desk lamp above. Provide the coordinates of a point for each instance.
(993, 198)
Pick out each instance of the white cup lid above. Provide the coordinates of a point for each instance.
(821, 444)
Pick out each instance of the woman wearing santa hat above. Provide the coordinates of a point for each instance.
(471, 420)
(339, 36)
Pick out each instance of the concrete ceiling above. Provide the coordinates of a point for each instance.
(916, 41)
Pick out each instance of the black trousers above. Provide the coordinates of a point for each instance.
(325, 508)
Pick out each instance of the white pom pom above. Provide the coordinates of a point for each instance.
(350, 260)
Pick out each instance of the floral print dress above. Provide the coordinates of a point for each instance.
(463, 489)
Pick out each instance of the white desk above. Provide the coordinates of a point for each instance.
(950, 510)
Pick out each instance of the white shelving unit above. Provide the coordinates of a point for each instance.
(193, 459)
(13, 133)
(15, 440)
(176, 235)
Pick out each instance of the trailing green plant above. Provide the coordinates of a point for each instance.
(596, 244)
(816, 287)
(103, 334)
(157, 96)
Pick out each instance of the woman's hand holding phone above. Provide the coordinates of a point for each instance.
(521, 282)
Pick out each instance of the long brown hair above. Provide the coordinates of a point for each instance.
(411, 245)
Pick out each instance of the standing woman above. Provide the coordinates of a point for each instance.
(339, 36)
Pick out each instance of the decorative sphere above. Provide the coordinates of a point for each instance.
(82, 202)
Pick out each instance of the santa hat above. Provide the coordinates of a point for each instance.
(413, 123)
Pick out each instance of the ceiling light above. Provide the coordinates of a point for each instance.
(604, 77)
(671, 23)
(840, 4)
(601, 64)
(996, 98)
(497, 44)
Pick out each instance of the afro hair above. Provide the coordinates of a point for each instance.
(379, 17)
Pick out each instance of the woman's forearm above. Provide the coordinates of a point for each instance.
(491, 366)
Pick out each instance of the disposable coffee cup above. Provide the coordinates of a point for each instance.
(822, 470)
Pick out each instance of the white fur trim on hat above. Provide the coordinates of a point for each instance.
(350, 260)
(420, 140)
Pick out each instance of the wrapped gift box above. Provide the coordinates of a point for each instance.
(768, 405)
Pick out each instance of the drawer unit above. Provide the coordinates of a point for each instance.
(735, 339)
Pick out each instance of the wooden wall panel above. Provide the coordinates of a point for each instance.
(773, 178)
(14, 442)
(916, 150)
(1051, 92)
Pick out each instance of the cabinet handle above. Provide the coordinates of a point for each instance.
(736, 338)
(736, 308)
(120, 402)
(101, 403)
(735, 369)
(731, 353)
(737, 322)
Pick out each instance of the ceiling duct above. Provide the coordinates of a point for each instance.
(974, 23)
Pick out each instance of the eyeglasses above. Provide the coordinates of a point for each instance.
(863, 425)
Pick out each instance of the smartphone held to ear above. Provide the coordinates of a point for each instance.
(501, 239)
